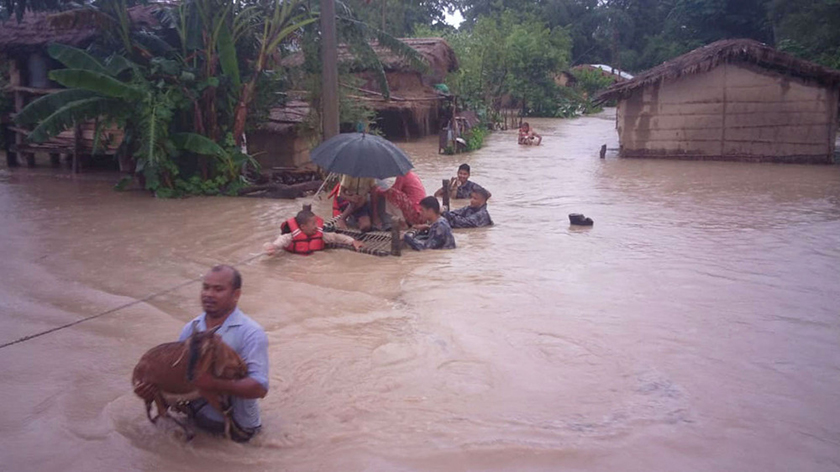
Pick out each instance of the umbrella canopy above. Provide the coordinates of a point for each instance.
(361, 155)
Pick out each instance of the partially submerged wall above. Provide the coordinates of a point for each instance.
(732, 112)
(273, 149)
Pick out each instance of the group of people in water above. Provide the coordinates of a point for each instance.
(367, 204)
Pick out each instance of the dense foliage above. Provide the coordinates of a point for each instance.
(635, 35)
(186, 91)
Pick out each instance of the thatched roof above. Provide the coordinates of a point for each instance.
(37, 30)
(726, 51)
(282, 119)
(436, 51)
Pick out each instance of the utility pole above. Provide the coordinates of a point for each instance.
(329, 77)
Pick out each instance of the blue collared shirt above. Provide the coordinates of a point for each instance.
(468, 217)
(249, 340)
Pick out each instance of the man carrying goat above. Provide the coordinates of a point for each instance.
(220, 293)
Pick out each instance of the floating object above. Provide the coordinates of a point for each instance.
(580, 220)
(377, 243)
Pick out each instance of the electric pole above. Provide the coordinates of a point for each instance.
(329, 77)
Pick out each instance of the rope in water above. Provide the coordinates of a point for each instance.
(116, 309)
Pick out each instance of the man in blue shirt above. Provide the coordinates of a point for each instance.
(439, 233)
(220, 293)
(459, 187)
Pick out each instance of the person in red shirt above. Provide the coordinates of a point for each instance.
(405, 194)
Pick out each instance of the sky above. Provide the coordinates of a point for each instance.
(454, 19)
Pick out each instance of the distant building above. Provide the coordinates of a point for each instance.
(613, 73)
(731, 100)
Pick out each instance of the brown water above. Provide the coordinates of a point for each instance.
(695, 327)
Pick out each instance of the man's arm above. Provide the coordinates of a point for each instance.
(282, 241)
(242, 388)
(457, 220)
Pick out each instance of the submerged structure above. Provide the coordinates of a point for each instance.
(731, 100)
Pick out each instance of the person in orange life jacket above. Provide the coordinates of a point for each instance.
(304, 234)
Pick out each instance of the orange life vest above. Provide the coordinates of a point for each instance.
(301, 243)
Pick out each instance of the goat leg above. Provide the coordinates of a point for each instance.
(149, 412)
(187, 431)
(223, 405)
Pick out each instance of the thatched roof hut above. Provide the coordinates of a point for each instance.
(23, 45)
(731, 100)
(37, 30)
(436, 52)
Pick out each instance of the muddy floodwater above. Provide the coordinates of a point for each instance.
(695, 327)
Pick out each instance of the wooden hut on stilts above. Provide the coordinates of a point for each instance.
(23, 48)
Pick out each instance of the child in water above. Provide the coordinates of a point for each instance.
(527, 135)
(440, 234)
(304, 234)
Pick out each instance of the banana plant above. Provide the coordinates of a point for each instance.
(118, 91)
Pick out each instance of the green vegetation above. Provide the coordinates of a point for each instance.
(187, 92)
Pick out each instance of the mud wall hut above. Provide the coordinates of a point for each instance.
(730, 100)
(23, 48)
(284, 140)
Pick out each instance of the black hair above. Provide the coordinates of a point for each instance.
(237, 277)
(303, 217)
(465, 167)
(431, 203)
(481, 191)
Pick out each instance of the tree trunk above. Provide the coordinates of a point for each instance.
(240, 115)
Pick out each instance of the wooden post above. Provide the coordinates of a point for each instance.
(77, 147)
(15, 81)
(329, 77)
(603, 151)
(396, 242)
(446, 194)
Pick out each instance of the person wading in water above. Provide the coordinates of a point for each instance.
(220, 293)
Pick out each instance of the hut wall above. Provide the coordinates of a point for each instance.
(733, 112)
(276, 149)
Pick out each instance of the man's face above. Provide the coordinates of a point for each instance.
(310, 227)
(476, 200)
(428, 214)
(218, 297)
(463, 176)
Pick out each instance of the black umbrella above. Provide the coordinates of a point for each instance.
(361, 155)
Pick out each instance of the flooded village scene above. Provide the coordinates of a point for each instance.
(400, 235)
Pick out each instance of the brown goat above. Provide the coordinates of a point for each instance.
(172, 367)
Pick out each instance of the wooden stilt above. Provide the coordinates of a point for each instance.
(30, 159)
(77, 148)
(603, 151)
(55, 159)
(396, 242)
(445, 187)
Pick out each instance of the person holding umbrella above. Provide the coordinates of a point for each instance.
(367, 155)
